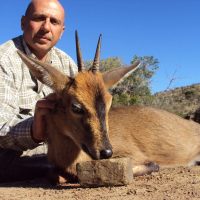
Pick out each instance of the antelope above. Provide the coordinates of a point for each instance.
(84, 126)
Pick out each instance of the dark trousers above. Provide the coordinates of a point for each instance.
(14, 167)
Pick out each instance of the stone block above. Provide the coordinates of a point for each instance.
(108, 172)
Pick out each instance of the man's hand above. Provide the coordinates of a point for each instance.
(42, 108)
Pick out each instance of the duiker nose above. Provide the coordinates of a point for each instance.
(106, 153)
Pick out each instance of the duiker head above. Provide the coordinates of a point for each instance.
(85, 100)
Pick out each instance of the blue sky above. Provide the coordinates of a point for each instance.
(169, 30)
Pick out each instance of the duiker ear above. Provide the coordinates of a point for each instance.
(112, 77)
(45, 73)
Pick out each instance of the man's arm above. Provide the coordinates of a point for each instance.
(15, 127)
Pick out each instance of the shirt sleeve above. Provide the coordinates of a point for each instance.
(15, 127)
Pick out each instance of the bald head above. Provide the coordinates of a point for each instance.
(35, 3)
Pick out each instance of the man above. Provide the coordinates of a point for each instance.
(22, 102)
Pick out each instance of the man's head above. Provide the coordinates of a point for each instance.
(43, 25)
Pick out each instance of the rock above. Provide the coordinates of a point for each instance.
(195, 116)
(108, 172)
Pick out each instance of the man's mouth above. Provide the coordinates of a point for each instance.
(43, 38)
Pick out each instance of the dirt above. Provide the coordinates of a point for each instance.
(170, 183)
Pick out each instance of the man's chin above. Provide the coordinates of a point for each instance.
(40, 47)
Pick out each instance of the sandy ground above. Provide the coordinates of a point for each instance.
(173, 183)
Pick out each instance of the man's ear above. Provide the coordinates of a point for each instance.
(22, 22)
(63, 29)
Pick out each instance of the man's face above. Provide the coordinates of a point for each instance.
(43, 26)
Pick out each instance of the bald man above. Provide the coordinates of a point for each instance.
(22, 97)
(43, 26)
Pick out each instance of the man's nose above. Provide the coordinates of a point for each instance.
(46, 25)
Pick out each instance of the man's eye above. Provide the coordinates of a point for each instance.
(77, 109)
(38, 18)
(55, 22)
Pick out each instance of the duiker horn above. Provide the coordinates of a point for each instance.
(95, 66)
(78, 54)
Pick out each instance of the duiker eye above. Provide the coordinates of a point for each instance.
(77, 108)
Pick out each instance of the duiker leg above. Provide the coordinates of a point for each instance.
(146, 168)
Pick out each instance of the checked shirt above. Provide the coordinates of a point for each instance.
(19, 92)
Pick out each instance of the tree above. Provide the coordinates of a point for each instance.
(137, 86)
(106, 64)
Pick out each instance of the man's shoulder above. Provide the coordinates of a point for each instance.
(64, 62)
(61, 54)
(9, 48)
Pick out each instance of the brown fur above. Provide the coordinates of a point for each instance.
(145, 134)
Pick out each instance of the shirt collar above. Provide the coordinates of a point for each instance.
(29, 53)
